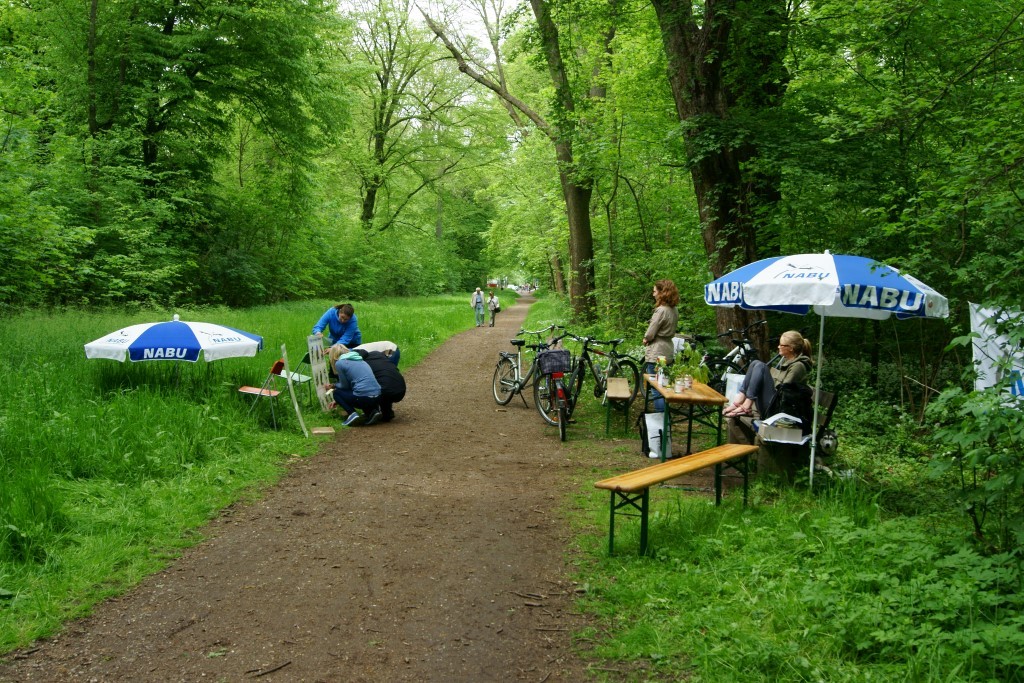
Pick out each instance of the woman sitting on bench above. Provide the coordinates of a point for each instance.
(758, 387)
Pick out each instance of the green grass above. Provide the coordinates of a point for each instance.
(109, 469)
(799, 586)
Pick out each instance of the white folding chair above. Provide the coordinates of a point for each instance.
(297, 377)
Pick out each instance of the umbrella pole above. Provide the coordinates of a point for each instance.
(817, 388)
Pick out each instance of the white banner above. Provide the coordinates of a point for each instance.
(994, 355)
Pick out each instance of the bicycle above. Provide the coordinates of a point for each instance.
(508, 378)
(617, 365)
(735, 361)
(549, 391)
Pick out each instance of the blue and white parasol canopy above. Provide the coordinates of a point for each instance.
(833, 285)
(174, 340)
(840, 286)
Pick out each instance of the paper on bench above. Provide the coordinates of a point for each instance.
(783, 428)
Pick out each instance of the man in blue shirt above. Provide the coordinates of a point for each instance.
(341, 324)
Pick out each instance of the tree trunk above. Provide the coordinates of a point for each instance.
(557, 280)
(751, 38)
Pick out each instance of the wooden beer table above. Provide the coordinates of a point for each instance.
(699, 394)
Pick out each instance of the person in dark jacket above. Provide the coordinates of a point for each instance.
(392, 384)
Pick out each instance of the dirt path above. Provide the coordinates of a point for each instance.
(428, 549)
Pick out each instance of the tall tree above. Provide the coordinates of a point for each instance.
(573, 87)
(726, 71)
(413, 127)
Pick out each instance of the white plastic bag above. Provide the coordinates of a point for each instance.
(653, 423)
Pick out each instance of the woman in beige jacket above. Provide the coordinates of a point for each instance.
(661, 329)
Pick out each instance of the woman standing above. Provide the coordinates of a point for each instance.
(661, 329)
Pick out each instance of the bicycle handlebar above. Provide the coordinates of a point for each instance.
(546, 329)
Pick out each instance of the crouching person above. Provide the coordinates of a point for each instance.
(356, 388)
(392, 384)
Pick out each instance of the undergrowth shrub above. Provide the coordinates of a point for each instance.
(979, 441)
(826, 586)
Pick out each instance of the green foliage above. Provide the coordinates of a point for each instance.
(979, 438)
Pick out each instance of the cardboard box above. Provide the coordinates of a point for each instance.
(783, 428)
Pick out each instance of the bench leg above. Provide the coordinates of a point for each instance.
(718, 483)
(746, 477)
(611, 526)
(644, 503)
(742, 465)
(639, 502)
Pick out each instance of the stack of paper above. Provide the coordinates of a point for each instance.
(783, 428)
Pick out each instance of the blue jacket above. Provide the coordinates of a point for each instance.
(339, 332)
(358, 375)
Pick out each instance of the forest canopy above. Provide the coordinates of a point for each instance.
(252, 152)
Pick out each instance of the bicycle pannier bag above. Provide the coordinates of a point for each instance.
(553, 361)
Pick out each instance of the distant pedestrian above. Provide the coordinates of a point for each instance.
(477, 302)
(494, 306)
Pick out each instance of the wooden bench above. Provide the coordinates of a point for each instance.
(631, 490)
(617, 391)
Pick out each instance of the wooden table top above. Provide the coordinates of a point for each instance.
(699, 394)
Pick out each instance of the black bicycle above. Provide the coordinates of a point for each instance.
(735, 361)
(509, 379)
(602, 366)
(550, 393)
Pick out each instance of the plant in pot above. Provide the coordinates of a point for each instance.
(689, 363)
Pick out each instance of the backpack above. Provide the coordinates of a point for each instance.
(796, 399)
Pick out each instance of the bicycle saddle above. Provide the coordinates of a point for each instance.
(517, 342)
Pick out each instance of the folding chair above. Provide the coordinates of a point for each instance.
(265, 391)
(296, 377)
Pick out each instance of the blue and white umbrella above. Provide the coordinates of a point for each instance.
(174, 340)
(830, 285)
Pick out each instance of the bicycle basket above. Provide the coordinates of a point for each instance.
(557, 360)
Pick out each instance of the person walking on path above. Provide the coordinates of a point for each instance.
(493, 305)
(477, 302)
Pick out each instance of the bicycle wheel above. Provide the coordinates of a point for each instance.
(546, 398)
(625, 367)
(504, 383)
(717, 371)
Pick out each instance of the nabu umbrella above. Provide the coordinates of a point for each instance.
(832, 285)
(174, 340)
